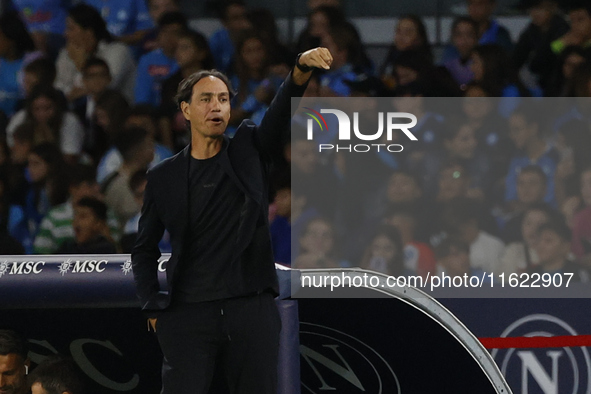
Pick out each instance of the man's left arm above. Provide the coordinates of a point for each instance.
(278, 115)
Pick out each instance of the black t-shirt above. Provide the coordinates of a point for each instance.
(209, 262)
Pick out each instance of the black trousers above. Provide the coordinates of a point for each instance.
(234, 340)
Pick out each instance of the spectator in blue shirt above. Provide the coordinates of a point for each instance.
(128, 20)
(489, 30)
(464, 38)
(156, 8)
(15, 42)
(46, 21)
(340, 42)
(525, 130)
(233, 16)
(158, 65)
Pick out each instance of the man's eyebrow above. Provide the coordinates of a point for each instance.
(209, 94)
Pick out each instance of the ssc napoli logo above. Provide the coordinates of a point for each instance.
(564, 370)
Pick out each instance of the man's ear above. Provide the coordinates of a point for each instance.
(185, 109)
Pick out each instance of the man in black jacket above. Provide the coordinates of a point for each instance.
(218, 313)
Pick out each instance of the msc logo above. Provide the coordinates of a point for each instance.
(344, 133)
(82, 266)
(21, 267)
(545, 370)
(334, 361)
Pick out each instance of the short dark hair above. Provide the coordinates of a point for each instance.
(81, 173)
(56, 375)
(464, 19)
(44, 68)
(88, 17)
(172, 18)
(128, 140)
(11, 342)
(94, 61)
(98, 207)
(445, 247)
(185, 89)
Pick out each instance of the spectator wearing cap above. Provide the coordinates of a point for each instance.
(533, 46)
(156, 66)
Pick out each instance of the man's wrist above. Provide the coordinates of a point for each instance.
(301, 67)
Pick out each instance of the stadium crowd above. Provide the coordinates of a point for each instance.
(497, 183)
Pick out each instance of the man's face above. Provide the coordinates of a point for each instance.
(12, 374)
(209, 109)
(168, 37)
(96, 79)
(86, 225)
(464, 38)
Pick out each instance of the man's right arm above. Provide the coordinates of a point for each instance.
(145, 254)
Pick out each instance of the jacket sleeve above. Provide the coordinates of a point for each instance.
(145, 254)
(268, 135)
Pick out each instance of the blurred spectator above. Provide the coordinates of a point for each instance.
(56, 375)
(581, 240)
(531, 189)
(156, 8)
(579, 13)
(459, 145)
(341, 42)
(410, 35)
(493, 70)
(453, 258)
(521, 254)
(96, 77)
(317, 246)
(156, 66)
(464, 38)
(582, 82)
(232, 14)
(8, 244)
(533, 47)
(139, 116)
(385, 253)
(40, 71)
(562, 83)
(136, 146)
(321, 20)
(56, 227)
(46, 21)
(127, 20)
(553, 249)
(280, 57)
(14, 362)
(86, 35)
(111, 111)
(19, 156)
(192, 55)
(47, 189)
(418, 256)
(46, 110)
(254, 83)
(281, 224)
(91, 232)
(461, 218)
(489, 30)
(15, 43)
(526, 132)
